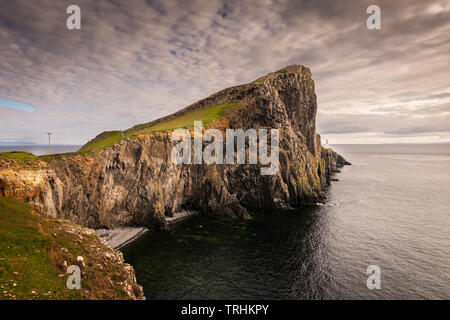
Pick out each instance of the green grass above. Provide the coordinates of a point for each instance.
(26, 272)
(102, 141)
(23, 157)
(19, 156)
(206, 115)
(109, 138)
(35, 251)
(58, 155)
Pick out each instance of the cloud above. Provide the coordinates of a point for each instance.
(394, 124)
(146, 59)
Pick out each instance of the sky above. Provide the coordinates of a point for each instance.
(137, 60)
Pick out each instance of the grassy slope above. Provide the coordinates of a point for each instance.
(109, 138)
(26, 272)
(20, 156)
(23, 158)
(33, 249)
(102, 141)
(206, 115)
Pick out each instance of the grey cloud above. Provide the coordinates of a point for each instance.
(414, 130)
(122, 63)
(423, 110)
(398, 124)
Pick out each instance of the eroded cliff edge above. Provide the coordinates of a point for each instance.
(134, 182)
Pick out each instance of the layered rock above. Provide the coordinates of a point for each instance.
(134, 182)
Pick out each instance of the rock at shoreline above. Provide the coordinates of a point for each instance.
(117, 238)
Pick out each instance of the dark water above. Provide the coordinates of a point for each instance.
(39, 150)
(390, 209)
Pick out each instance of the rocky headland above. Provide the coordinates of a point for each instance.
(123, 179)
(134, 183)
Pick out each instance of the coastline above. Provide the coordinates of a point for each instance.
(119, 237)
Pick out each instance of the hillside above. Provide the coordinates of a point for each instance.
(182, 119)
(35, 251)
(206, 110)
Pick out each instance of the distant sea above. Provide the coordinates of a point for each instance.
(390, 209)
(39, 150)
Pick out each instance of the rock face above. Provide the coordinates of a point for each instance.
(135, 182)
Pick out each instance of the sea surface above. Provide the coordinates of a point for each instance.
(390, 209)
(39, 150)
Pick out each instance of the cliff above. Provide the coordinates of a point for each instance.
(128, 178)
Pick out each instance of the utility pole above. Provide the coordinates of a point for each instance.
(49, 145)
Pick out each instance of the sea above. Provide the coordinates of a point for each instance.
(383, 233)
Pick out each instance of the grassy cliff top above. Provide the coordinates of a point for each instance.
(28, 160)
(20, 159)
(20, 156)
(171, 122)
(109, 138)
(207, 110)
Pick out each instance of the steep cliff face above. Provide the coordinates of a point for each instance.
(134, 182)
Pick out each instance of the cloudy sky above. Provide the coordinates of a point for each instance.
(146, 59)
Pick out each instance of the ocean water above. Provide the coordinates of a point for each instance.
(39, 150)
(389, 209)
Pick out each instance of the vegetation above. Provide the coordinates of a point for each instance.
(18, 156)
(206, 115)
(26, 158)
(26, 272)
(35, 251)
(109, 138)
(282, 71)
(102, 141)
(58, 155)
